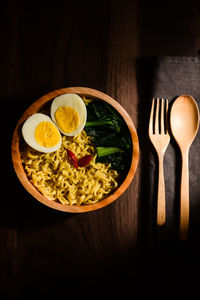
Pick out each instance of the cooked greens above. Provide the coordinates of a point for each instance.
(110, 135)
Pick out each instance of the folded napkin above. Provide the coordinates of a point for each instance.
(167, 77)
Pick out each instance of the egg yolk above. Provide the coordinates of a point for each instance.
(46, 134)
(67, 119)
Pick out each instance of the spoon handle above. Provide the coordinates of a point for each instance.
(161, 194)
(184, 197)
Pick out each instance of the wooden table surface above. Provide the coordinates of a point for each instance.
(96, 44)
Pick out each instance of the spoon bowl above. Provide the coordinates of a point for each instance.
(184, 121)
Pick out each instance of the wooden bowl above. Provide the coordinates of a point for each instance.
(38, 106)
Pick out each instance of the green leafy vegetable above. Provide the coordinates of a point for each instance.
(106, 137)
(106, 121)
(110, 135)
(104, 151)
(120, 161)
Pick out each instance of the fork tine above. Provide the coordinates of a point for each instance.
(167, 120)
(151, 117)
(157, 117)
(159, 136)
(162, 118)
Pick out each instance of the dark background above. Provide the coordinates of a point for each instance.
(107, 253)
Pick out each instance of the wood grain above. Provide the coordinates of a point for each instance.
(93, 44)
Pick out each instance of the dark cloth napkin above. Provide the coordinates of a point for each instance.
(167, 77)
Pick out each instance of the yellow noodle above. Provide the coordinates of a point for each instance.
(87, 100)
(56, 178)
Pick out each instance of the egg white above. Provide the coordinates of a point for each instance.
(74, 101)
(28, 132)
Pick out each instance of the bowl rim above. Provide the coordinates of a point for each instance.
(21, 174)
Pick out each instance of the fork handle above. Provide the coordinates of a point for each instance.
(161, 215)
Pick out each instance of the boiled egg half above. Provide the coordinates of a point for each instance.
(41, 133)
(69, 113)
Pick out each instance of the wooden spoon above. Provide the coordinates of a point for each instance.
(184, 121)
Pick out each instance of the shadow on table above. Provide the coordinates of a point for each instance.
(17, 205)
(147, 212)
(161, 249)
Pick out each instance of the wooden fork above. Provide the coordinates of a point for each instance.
(159, 136)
